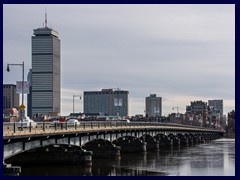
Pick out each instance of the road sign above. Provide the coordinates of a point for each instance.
(25, 87)
(22, 107)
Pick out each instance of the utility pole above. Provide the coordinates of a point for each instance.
(22, 107)
(73, 99)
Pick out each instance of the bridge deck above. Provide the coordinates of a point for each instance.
(45, 129)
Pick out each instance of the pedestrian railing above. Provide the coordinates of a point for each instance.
(15, 129)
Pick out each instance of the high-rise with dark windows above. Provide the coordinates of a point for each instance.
(153, 106)
(45, 71)
(112, 102)
(217, 104)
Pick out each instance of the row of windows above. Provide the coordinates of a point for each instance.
(38, 58)
(105, 93)
(42, 68)
(42, 77)
(42, 102)
(41, 111)
(9, 86)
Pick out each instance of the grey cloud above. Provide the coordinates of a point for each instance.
(185, 50)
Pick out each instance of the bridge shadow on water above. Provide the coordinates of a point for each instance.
(130, 164)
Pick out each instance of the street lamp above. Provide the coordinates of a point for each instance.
(176, 108)
(8, 69)
(73, 100)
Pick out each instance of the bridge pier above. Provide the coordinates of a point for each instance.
(183, 139)
(53, 154)
(152, 144)
(195, 139)
(164, 140)
(175, 139)
(102, 148)
(131, 144)
(190, 139)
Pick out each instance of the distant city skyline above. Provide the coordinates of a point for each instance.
(181, 53)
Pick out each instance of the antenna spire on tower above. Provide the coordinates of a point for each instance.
(45, 17)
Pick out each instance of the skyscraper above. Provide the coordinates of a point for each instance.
(108, 101)
(29, 95)
(153, 106)
(45, 71)
(217, 104)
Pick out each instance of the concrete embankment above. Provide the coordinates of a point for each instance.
(229, 135)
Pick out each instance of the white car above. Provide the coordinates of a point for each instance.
(124, 120)
(52, 123)
(25, 123)
(73, 122)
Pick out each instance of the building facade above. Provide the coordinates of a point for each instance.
(217, 105)
(29, 95)
(197, 113)
(10, 97)
(113, 102)
(153, 106)
(45, 79)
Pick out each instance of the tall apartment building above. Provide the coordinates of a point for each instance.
(45, 71)
(153, 106)
(112, 102)
(197, 107)
(10, 97)
(217, 104)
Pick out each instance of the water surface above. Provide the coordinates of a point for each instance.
(214, 158)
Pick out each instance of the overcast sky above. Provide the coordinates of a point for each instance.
(181, 53)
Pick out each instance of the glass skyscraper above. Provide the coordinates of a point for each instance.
(46, 71)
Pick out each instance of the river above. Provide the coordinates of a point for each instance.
(214, 158)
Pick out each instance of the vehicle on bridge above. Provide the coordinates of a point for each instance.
(73, 122)
(26, 122)
(52, 123)
(123, 120)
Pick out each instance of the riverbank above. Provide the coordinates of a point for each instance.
(229, 135)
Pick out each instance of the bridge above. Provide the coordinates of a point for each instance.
(133, 136)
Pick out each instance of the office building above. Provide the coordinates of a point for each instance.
(29, 95)
(10, 97)
(197, 107)
(153, 106)
(217, 105)
(45, 71)
(113, 102)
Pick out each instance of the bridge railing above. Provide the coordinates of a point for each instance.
(13, 128)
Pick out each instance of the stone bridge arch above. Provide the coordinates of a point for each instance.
(51, 154)
(152, 143)
(131, 144)
(102, 148)
(163, 139)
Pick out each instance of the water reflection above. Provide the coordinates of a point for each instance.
(216, 158)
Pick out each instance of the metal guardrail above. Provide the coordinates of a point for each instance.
(14, 129)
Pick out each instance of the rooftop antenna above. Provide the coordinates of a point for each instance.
(45, 16)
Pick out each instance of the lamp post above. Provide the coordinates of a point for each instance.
(8, 69)
(73, 100)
